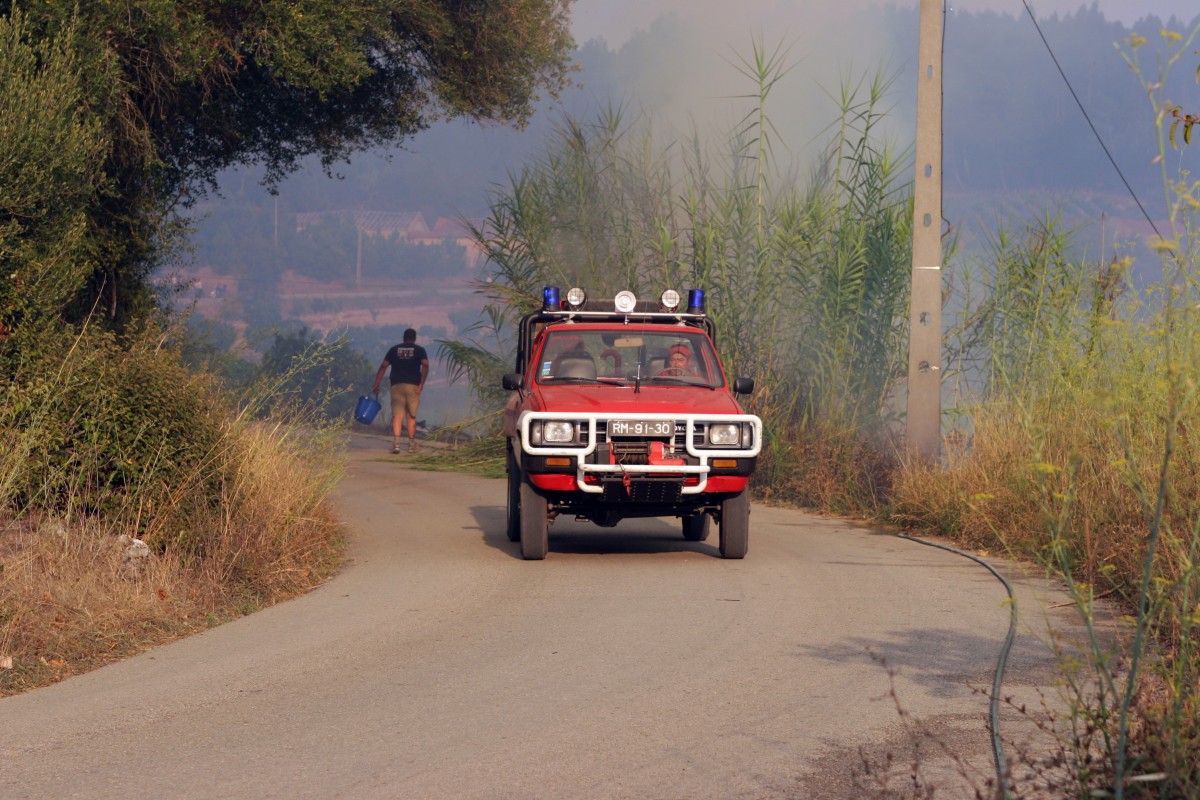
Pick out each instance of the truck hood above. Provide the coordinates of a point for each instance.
(594, 399)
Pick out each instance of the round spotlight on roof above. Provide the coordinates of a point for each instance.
(669, 300)
(576, 297)
(625, 302)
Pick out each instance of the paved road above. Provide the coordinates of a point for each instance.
(629, 664)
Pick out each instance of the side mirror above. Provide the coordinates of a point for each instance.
(743, 385)
(512, 381)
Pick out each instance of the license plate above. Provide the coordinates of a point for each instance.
(641, 427)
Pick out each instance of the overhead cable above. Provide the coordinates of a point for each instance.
(1083, 110)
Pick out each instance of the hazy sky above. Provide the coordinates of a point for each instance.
(615, 20)
(827, 39)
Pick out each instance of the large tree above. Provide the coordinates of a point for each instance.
(185, 88)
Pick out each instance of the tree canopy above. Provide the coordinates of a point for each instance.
(185, 89)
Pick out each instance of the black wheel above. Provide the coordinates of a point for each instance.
(535, 530)
(735, 526)
(696, 527)
(513, 521)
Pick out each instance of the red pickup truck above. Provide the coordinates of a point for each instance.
(621, 408)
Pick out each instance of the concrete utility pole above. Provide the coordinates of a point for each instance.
(358, 260)
(924, 434)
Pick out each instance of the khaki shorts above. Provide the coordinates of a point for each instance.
(405, 397)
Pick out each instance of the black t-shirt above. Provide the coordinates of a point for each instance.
(405, 360)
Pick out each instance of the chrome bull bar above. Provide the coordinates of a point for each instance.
(633, 471)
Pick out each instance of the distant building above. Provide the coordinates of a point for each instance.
(409, 226)
(457, 231)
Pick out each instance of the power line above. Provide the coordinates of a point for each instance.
(1083, 110)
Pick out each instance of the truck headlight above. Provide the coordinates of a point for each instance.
(724, 434)
(558, 431)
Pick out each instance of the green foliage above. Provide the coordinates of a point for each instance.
(208, 336)
(263, 312)
(244, 240)
(208, 345)
(119, 429)
(306, 373)
(1028, 309)
(98, 426)
(810, 283)
(51, 155)
(183, 92)
(1181, 124)
(592, 211)
(1181, 121)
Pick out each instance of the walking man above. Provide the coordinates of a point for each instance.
(410, 367)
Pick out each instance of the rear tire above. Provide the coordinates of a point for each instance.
(535, 530)
(513, 519)
(735, 525)
(696, 527)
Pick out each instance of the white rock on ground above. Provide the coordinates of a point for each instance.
(135, 555)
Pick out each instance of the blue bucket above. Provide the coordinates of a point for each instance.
(366, 409)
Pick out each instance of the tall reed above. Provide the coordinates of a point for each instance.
(807, 277)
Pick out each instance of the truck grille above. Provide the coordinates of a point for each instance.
(645, 490)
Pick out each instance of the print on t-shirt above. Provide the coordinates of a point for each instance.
(405, 360)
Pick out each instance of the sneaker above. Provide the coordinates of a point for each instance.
(396, 447)
(412, 446)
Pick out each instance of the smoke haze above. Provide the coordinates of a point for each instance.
(1017, 146)
(616, 21)
(679, 52)
(687, 71)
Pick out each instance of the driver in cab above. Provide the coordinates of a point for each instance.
(679, 361)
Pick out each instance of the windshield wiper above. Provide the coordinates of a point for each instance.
(681, 380)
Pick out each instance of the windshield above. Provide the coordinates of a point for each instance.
(680, 356)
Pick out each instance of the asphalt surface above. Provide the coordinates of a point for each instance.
(628, 664)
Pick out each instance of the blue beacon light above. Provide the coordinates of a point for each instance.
(550, 298)
(695, 301)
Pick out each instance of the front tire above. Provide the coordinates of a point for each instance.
(735, 525)
(696, 527)
(513, 519)
(535, 529)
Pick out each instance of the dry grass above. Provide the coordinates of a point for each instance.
(822, 466)
(1070, 482)
(70, 600)
(1073, 477)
